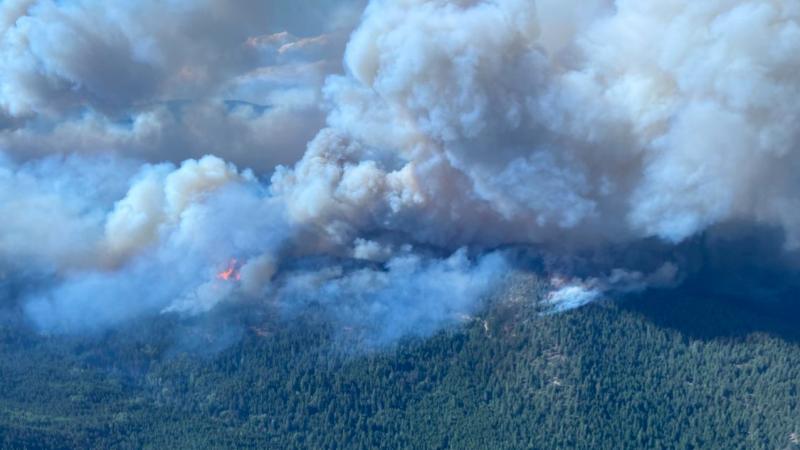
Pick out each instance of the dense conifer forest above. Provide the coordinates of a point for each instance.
(654, 372)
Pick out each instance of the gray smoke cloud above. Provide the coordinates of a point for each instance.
(453, 128)
(489, 122)
(167, 80)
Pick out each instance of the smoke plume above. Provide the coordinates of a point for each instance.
(455, 132)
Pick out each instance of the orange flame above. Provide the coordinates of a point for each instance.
(231, 272)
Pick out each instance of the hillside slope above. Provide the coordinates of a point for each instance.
(647, 373)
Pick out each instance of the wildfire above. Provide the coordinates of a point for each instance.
(231, 271)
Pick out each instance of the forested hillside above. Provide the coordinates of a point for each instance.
(654, 372)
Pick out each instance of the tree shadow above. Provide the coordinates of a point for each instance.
(714, 316)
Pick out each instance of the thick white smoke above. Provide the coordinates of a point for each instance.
(460, 123)
(485, 122)
(160, 246)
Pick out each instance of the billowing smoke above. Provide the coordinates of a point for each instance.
(491, 122)
(456, 132)
(168, 80)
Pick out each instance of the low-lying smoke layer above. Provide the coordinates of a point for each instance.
(457, 127)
